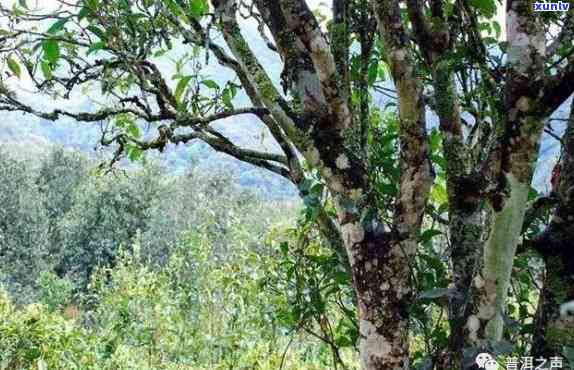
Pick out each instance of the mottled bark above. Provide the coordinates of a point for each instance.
(340, 42)
(434, 37)
(466, 221)
(518, 142)
(379, 260)
(366, 29)
(385, 291)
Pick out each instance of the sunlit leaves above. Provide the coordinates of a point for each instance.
(173, 7)
(127, 124)
(92, 4)
(210, 84)
(198, 8)
(46, 70)
(51, 50)
(316, 290)
(181, 86)
(134, 153)
(14, 66)
(98, 32)
(57, 26)
(95, 47)
(487, 8)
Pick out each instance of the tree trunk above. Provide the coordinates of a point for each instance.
(512, 162)
(381, 276)
(554, 330)
(499, 251)
(466, 221)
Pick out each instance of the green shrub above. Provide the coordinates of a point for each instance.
(201, 311)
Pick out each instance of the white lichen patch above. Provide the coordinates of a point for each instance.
(479, 282)
(323, 63)
(399, 55)
(313, 157)
(353, 233)
(368, 266)
(523, 104)
(372, 344)
(472, 325)
(356, 194)
(342, 162)
(486, 312)
(523, 46)
(336, 185)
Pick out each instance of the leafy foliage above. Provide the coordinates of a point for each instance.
(201, 311)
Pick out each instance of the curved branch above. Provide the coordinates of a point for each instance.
(187, 121)
(256, 158)
(97, 116)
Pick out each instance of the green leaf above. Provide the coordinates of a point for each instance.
(57, 26)
(134, 153)
(227, 99)
(373, 73)
(51, 50)
(133, 130)
(92, 4)
(341, 277)
(439, 194)
(173, 7)
(83, 13)
(389, 189)
(95, 47)
(180, 88)
(46, 70)
(14, 66)
(429, 234)
(487, 8)
(210, 84)
(98, 32)
(497, 28)
(198, 8)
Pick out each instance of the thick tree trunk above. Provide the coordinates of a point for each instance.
(381, 276)
(499, 251)
(512, 164)
(380, 259)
